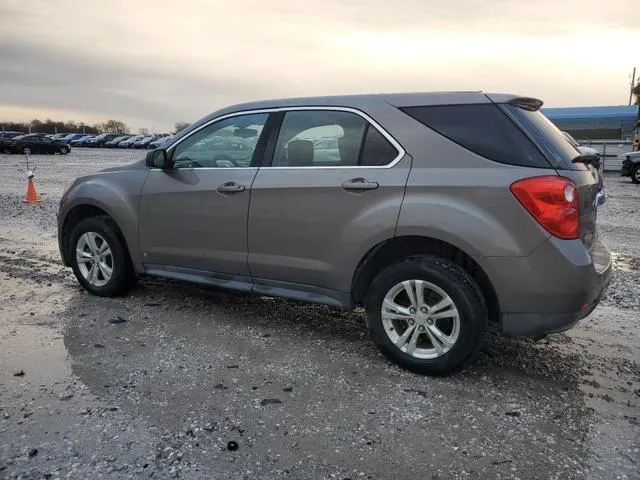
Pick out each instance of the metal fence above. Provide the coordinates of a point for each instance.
(611, 151)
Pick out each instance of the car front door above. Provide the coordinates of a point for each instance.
(193, 217)
(332, 190)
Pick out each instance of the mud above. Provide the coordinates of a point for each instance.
(201, 383)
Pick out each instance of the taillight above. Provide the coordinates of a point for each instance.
(553, 202)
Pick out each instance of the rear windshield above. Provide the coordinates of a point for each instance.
(484, 129)
(547, 136)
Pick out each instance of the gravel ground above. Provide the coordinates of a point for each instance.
(177, 381)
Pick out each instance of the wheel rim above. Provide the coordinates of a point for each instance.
(94, 258)
(27, 151)
(636, 174)
(420, 319)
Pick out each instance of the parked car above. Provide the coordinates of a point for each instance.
(36, 143)
(598, 164)
(128, 143)
(99, 140)
(143, 142)
(59, 136)
(160, 142)
(397, 224)
(631, 166)
(82, 141)
(72, 136)
(114, 143)
(5, 137)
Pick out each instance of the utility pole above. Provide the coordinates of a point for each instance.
(633, 84)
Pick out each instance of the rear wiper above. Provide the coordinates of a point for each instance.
(588, 159)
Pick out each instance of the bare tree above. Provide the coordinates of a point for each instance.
(114, 126)
(143, 131)
(179, 126)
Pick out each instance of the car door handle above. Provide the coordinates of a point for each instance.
(230, 187)
(359, 184)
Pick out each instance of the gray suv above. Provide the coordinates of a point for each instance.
(442, 214)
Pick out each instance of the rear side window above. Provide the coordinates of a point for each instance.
(484, 129)
(330, 138)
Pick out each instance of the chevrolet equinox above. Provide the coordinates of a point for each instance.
(442, 214)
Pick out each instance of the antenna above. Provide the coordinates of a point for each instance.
(633, 84)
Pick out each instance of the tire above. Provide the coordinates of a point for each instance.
(122, 276)
(26, 151)
(64, 150)
(635, 174)
(444, 281)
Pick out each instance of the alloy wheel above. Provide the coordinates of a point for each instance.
(420, 319)
(94, 258)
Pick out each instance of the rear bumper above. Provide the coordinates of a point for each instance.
(552, 289)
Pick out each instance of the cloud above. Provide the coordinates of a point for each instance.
(152, 63)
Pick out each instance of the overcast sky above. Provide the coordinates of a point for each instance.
(151, 63)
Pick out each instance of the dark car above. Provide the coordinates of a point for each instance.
(128, 143)
(36, 143)
(101, 139)
(82, 141)
(160, 142)
(114, 143)
(59, 136)
(72, 136)
(143, 143)
(631, 166)
(4, 139)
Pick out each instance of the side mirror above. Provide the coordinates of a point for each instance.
(157, 159)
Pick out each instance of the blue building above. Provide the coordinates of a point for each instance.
(612, 122)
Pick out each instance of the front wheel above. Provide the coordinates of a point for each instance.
(99, 257)
(426, 314)
(635, 174)
(26, 150)
(64, 150)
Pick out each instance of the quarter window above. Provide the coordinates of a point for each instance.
(484, 129)
(325, 138)
(227, 143)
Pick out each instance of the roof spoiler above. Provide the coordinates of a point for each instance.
(527, 103)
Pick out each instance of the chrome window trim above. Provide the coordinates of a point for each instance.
(401, 151)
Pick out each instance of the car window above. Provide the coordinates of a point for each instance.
(484, 129)
(223, 144)
(325, 138)
(377, 151)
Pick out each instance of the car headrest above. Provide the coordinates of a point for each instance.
(300, 153)
(349, 150)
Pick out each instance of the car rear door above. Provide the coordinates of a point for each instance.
(331, 188)
(48, 145)
(193, 217)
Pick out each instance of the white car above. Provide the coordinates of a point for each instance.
(581, 149)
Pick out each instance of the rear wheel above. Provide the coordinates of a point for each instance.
(426, 314)
(99, 257)
(26, 151)
(635, 174)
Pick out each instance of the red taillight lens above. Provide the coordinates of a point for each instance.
(553, 202)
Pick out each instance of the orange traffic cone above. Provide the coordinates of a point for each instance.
(31, 196)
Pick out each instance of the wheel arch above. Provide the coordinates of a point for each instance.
(81, 212)
(392, 250)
